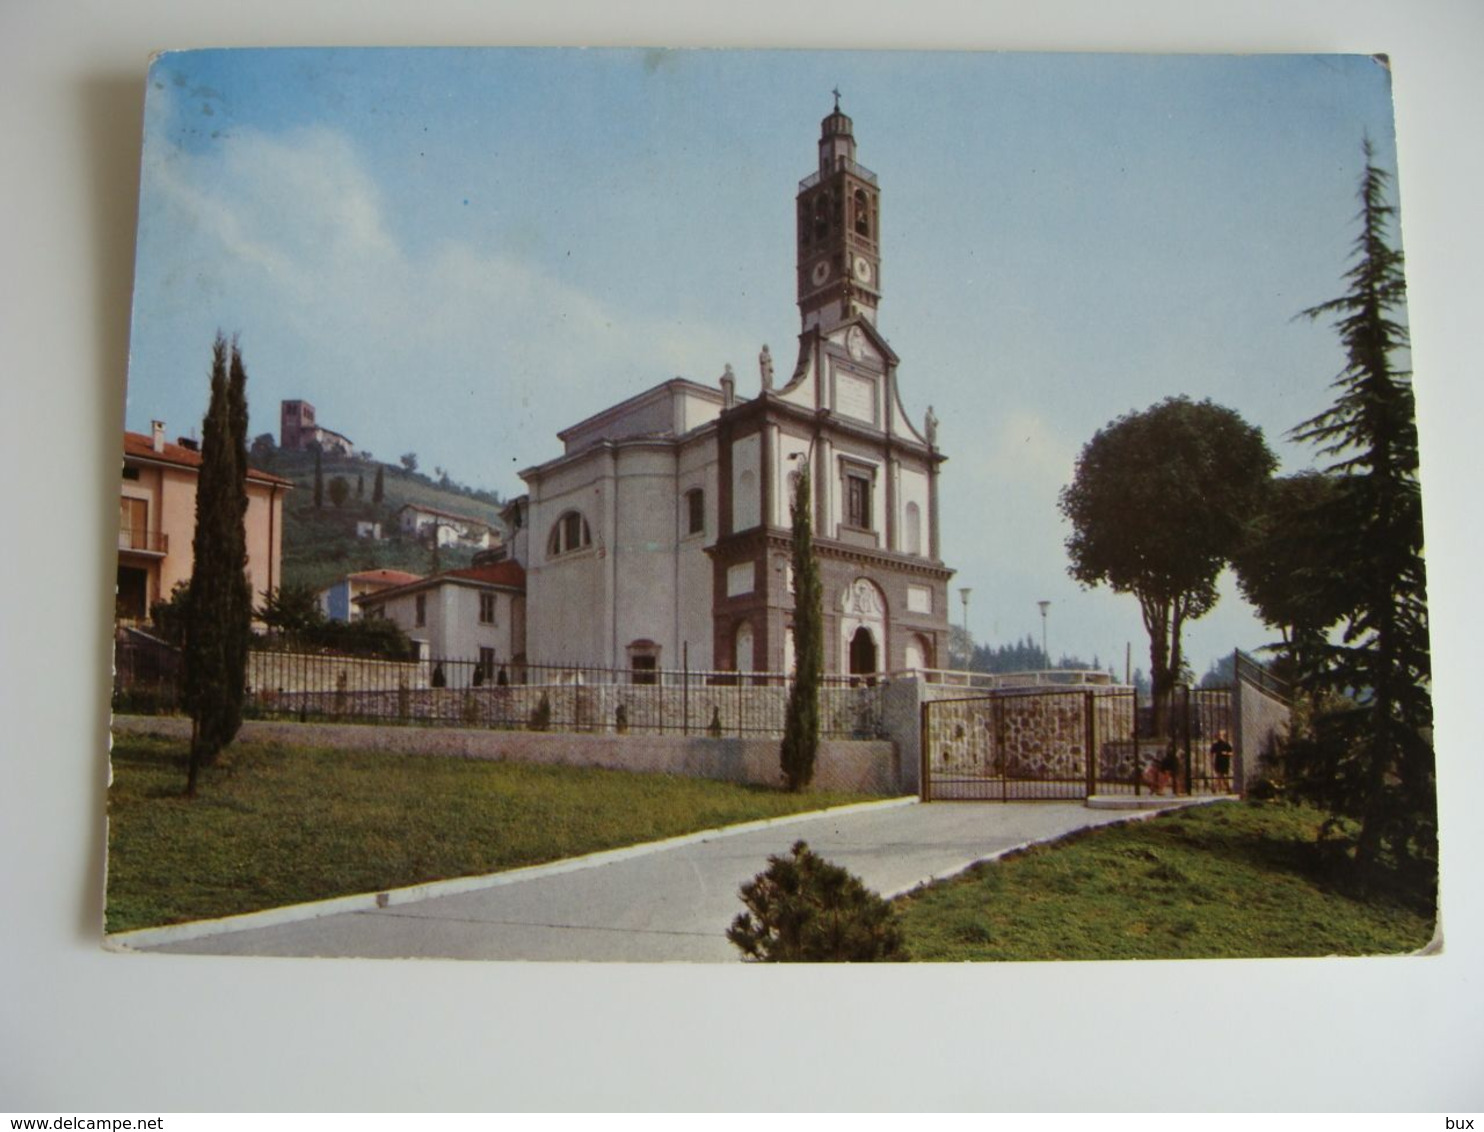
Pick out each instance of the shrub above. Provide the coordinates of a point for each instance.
(541, 717)
(168, 617)
(1265, 790)
(803, 909)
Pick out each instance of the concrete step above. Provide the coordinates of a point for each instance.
(1152, 801)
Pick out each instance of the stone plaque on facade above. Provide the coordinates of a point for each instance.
(741, 579)
(855, 397)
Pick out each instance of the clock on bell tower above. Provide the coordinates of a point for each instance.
(839, 217)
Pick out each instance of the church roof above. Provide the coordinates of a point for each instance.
(620, 420)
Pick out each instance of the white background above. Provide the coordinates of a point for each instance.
(84, 1030)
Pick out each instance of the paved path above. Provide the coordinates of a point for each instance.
(672, 904)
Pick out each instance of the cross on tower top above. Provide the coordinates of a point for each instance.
(836, 93)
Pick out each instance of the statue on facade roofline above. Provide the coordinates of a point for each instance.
(930, 427)
(765, 365)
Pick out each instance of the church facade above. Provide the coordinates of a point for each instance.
(660, 537)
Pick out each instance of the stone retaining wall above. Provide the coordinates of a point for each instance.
(1261, 725)
(870, 767)
(270, 673)
(1040, 736)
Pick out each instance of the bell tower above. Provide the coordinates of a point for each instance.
(839, 224)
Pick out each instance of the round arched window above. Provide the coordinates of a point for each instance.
(568, 533)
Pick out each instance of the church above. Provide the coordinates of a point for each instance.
(660, 536)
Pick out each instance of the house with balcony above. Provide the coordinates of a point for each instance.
(157, 523)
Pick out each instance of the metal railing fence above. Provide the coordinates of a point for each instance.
(457, 692)
(1253, 671)
(137, 538)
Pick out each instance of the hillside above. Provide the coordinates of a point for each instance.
(320, 545)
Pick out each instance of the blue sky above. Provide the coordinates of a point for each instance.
(460, 252)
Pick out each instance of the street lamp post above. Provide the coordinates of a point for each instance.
(1045, 605)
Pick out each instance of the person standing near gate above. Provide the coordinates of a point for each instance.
(1221, 762)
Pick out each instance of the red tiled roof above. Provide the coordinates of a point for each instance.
(506, 572)
(390, 577)
(141, 446)
(422, 509)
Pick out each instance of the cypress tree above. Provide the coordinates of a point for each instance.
(1373, 759)
(360, 485)
(219, 603)
(241, 610)
(378, 489)
(319, 481)
(801, 723)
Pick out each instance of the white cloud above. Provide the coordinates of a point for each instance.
(473, 357)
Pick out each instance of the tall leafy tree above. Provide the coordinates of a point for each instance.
(801, 721)
(1157, 507)
(218, 608)
(1287, 569)
(1374, 760)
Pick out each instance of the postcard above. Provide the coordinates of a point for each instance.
(715, 506)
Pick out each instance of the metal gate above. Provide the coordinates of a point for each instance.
(1200, 718)
(1067, 745)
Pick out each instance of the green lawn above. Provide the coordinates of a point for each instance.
(275, 825)
(1233, 880)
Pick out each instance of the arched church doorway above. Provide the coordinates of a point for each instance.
(862, 628)
(862, 653)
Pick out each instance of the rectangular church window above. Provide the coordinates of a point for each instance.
(858, 502)
(695, 502)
